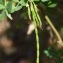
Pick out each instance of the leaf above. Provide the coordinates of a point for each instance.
(44, 0)
(10, 7)
(52, 5)
(46, 52)
(23, 3)
(18, 8)
(16, 0)
(3, 2)
(0, 1)
(8, 15)
(49, 2)
(36, 0)
(13, 8)
(2, 15)
(2, 6)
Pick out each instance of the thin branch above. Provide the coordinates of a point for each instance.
(54, 29)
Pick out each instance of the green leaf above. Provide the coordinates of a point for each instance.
(18, 8)
(36, 0)
(52, 5)
(49, 2)
(2, 6)
(16, 0)
(10, 7)
(46, 52)
(23, 3)
(44, 0)
(8, 15)
(3, 2)
(0, 1)
(13, 8)
(2, 15)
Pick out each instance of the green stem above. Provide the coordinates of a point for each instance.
(37, 42)
(54, 29)
(35, 20)
(36, 32)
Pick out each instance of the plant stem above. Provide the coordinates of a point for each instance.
(54, 29)
(37, 42)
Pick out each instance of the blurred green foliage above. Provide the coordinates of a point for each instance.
(7, 7)
(10, 6)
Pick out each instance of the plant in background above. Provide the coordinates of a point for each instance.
(7, 7)
(51, 53)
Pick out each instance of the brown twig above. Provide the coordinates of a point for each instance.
(54, 29)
